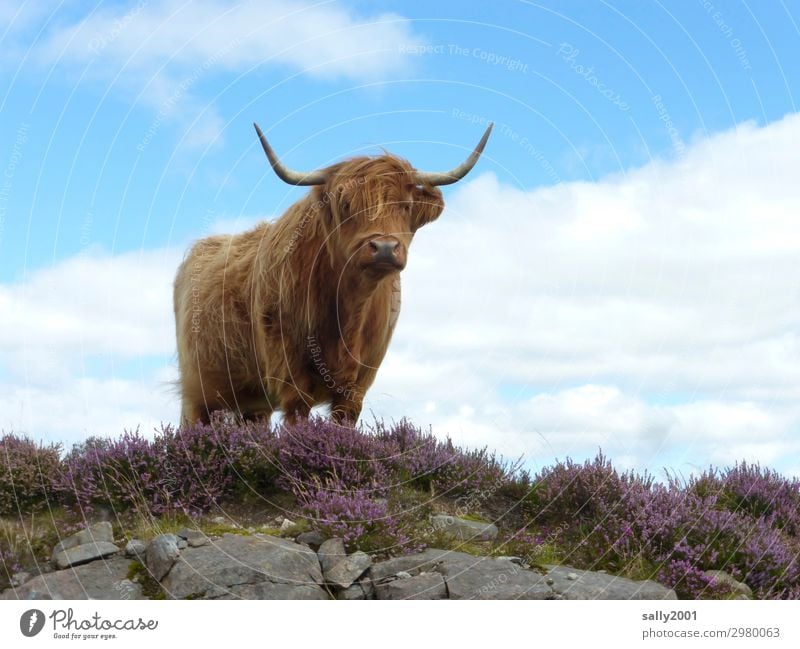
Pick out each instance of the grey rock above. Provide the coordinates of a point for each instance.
(485, 578)
(572, 576)
(19, 578)
(80, 554)
(361, 589)
(97, 580)
(403, 575)
(97, 533)
(162, 552)
(466, 576)
(136, 549)
(330, 553)
(91, 543)
(463, 529)
(346, 571)
(312, 539)
(411, 564)
(286, 525)
(182, 544)
(269, 590)
(594, 585)
(427, 585)
(246, 567)
(194, 538)
(742, 590)
(128, 589)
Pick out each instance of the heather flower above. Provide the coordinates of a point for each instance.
(26, 471)
(740, 521)
(422, 460)
(363, 521)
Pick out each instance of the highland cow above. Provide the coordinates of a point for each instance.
(299, 311)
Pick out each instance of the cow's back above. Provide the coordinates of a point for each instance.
(213, 325)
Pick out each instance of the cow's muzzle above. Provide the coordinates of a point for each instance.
(386, 254)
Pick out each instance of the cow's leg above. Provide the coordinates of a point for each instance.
(253, 404)
(296, 410)
(191, 413)
(295, 402)
(346, 404)
(257, 415)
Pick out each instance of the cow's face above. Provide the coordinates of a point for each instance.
(368, 209)
(376, 208)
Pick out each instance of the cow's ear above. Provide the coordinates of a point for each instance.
(428, 205)
(339, 203)
(343, 200)
(322, 203)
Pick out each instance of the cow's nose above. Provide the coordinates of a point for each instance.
(384, 251)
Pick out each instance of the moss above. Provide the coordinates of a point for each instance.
(148, 527)
(544, 554)
(473, 517)
(218, 529)
(151, 589)
(442, 541)
(302, 525)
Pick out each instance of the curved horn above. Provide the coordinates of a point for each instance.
(284, 173)
(454, 175)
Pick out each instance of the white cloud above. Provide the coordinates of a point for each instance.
(162, 52)
(654, 314)
(322, 39)
(69, 411)
(94, 304)
(70, 336)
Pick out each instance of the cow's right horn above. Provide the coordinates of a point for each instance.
(454, 175)
(284, 173)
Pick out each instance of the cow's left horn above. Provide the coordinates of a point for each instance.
(449, 177)
(290, 175)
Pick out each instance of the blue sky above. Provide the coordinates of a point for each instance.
(126, 132)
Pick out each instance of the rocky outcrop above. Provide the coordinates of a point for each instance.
(90, 544)
(246, 567)
(161, 553)
(312, 539)
(469, 577)
(136, 549)
(571, 583)
(104, 579)
(426, 585)
(330, 553)
(190, 565)
(345, 572)
(193, 538)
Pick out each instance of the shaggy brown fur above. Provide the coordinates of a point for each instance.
(291, 314)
